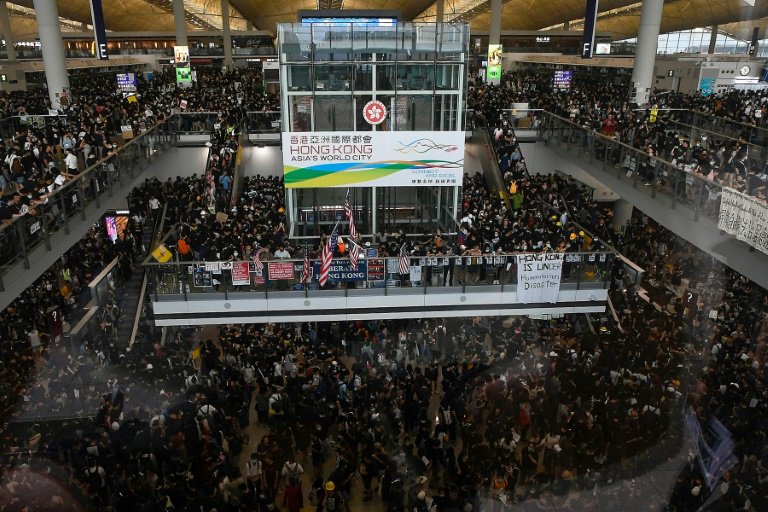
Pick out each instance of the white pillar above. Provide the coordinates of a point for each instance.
(494, 35)
(713, 39)
(226, 34)
(5, 26)
(180, 20)
(49, 31)
(645, 55)
(622, 214)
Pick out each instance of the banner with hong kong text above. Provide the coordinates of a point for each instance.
(365, 159)
(538, 277)
(744, 216)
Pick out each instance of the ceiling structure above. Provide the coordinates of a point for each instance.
(619, 18)
(126, 16)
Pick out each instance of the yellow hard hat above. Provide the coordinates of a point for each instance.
(558, 223)
(581, 233)
(573, 236)
(330, 486)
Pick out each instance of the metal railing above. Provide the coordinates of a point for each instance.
(753, 134)
(664, 181)
(190, 280)
(54, 211)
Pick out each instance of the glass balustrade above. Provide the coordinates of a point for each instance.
(59, 208)
(671, 183)
(190, 280)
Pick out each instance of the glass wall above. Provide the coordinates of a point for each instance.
(417, 70)
(697, 40)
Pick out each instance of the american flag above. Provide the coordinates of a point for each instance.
(305, 273)
(354, 249)
(348, 206)
(327, 255)
(257, 258)
(354, 252)
(403, 261)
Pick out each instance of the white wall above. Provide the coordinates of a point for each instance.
(359, 305)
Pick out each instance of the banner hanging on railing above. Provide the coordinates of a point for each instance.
(380, 158)
(538, 277)
(745, 217)
(342, 271)
(240, 274)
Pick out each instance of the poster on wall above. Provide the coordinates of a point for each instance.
(538, 277)
(745, 217)
(493, 73)
(389, 159)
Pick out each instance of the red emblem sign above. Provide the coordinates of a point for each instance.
(374, 112)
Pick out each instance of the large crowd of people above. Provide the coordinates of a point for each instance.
(596, 105)
(470, 414)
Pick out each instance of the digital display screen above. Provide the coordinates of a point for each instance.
(563, 79)
(115, 226)
(379, 22)
(126, 82)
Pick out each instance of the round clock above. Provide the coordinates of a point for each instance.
(744, 70)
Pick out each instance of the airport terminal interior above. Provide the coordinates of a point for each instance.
(383, 255)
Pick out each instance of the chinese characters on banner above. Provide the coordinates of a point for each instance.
(745, 217)
(538, 277)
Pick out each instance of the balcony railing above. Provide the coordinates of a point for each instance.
(198, 280)
(665, 181)
(56, 210)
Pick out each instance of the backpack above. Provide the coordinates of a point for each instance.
(279, 403)
(292, 474)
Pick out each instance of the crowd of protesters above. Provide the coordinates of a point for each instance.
(599, 106)
(39, 158)
(421, 415)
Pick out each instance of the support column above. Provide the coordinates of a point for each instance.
(5, 26)
(439, 16)
(226, 34)
(645, 55)
(494, 34)
(49, 31)
(713, 40)
(622, 214)
(180, 21)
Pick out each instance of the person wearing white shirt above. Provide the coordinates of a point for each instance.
(71, 162)
(282, 254)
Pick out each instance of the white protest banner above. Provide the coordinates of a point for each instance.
(745, 217)
(538, 277)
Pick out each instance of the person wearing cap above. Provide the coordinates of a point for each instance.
(331, 500)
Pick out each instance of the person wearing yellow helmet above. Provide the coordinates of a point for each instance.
(332, 501)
